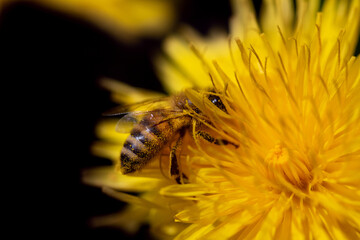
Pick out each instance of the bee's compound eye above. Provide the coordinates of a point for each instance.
(217, 102)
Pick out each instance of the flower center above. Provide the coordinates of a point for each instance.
(282, 166)
(277, 155)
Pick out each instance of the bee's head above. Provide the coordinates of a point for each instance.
(192, 106)
(214, 99)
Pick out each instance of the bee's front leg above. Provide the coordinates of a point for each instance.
(216, 141)
(175, 158)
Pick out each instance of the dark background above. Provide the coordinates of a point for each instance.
(50, 64)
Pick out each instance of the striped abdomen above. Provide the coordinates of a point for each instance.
(146, 140)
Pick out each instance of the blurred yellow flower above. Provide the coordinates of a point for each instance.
(291, 89)
(126, 19)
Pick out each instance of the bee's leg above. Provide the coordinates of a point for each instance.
(174, 160)
(216, 141)
(161, 166)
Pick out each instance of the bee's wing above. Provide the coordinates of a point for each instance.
(129, 120)
(147, 105)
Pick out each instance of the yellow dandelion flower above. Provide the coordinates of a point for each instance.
(290, 85)
(124, 19)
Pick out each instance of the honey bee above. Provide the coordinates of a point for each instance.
(152, 130)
